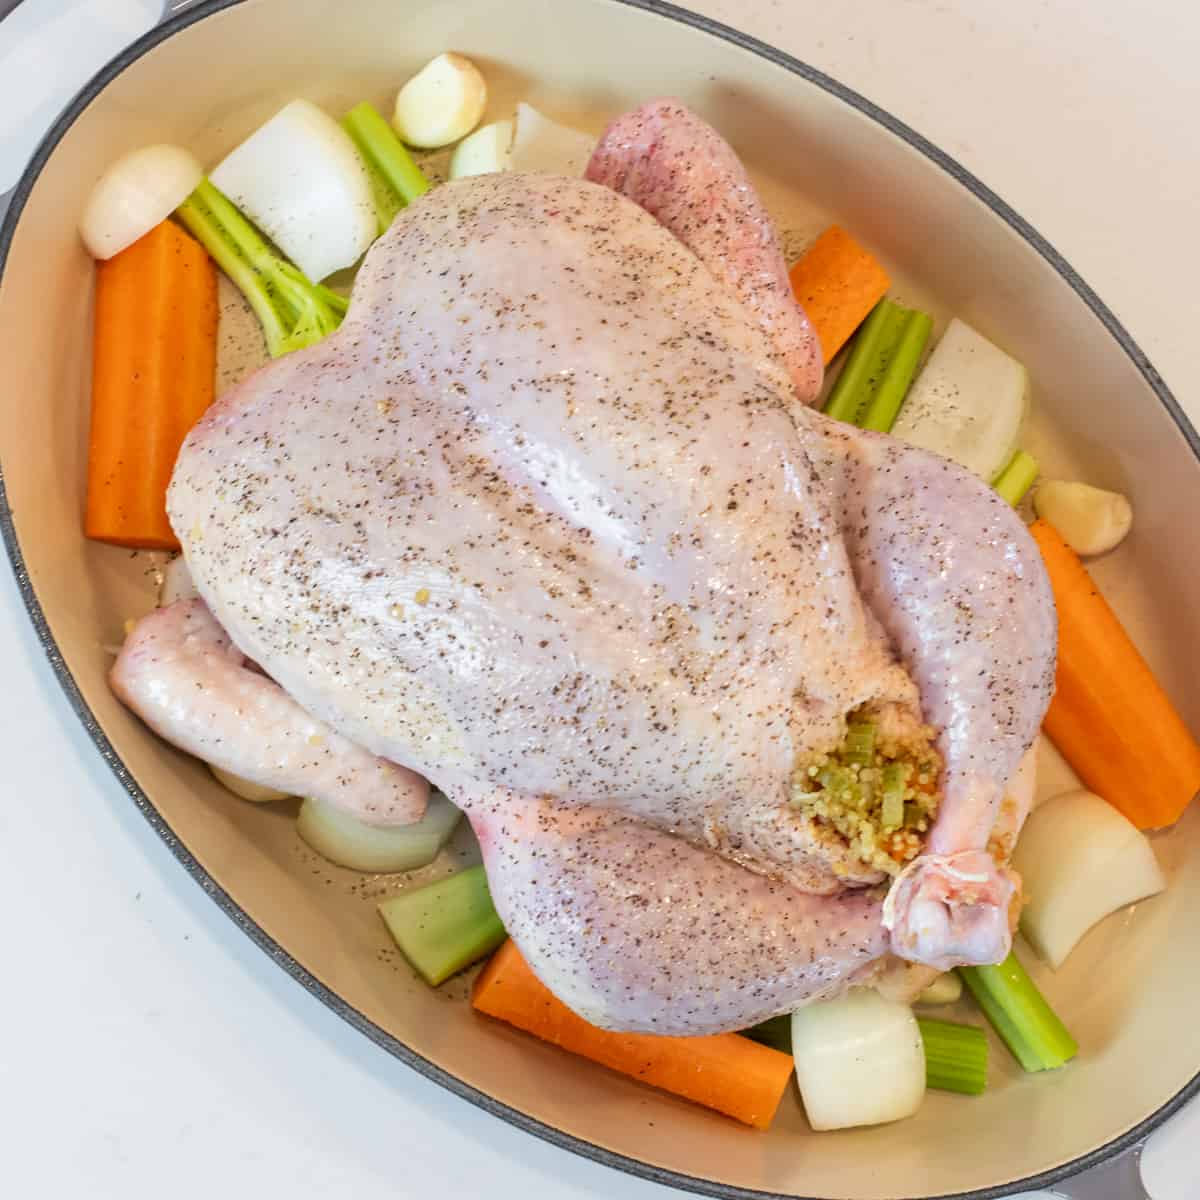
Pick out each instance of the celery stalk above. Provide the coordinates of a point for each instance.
(445, 926)
(1017, 478)
(848, 395)
(858, 747)
(898, 374)
(294, 312)
(956, 1056)
(893, 780)
(388, 202)
(385, 155)
(880, 367)
(1028, 1025)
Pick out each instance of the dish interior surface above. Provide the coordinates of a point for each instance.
(1128, 991)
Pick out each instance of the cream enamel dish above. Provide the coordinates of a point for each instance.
(819, 152)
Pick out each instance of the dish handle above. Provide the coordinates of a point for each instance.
(1116, 1179)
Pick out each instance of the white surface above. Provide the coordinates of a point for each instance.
(149, 1048)
(47, 49)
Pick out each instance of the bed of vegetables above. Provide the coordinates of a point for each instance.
(303, 198)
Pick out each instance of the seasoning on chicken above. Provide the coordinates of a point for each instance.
(544, 522)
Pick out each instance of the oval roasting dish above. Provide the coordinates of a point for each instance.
(819, 152)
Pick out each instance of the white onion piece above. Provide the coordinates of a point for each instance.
(140, 190)
(967, 404)
(442, 102)
(485, 152)
(177, 583)
(945, 989)
(1091, 520)
(256, 793)
(540, 144)
(300, 179)
(377, 848)
(859, 1060)
(1080, 860)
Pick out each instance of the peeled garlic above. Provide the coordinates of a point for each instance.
(256, 793)
(945, 989)
(440, 103)
(1091, 520)
(484, 152)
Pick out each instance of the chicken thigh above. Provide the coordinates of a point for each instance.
(544, 522)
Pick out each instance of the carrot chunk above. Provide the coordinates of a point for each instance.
(726, 1072)
(837, 283)
(153, 375)
(1109, 717)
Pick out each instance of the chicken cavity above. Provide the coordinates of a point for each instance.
(181, 673)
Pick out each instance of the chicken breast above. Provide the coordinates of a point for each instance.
(544, 522)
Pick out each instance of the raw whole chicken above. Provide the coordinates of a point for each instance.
(548, 522)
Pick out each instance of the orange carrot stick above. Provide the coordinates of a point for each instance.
(153, 370)
(1109, 717)
(837, 283)
(732, 1074)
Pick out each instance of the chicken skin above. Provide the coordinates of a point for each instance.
(548, 522)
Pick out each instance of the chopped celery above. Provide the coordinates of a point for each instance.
(881, 365)
(1017, 478)
(445, 926)
(837, 780)
(800, 798)
(386, 199)
(775, 1032)
(1028, 1025)
(893, 783)
(956, 1056)
(294, 312)
(397, 179)
(858, 749)
(848, 396)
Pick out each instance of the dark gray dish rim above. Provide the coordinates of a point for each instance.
(284, 960)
